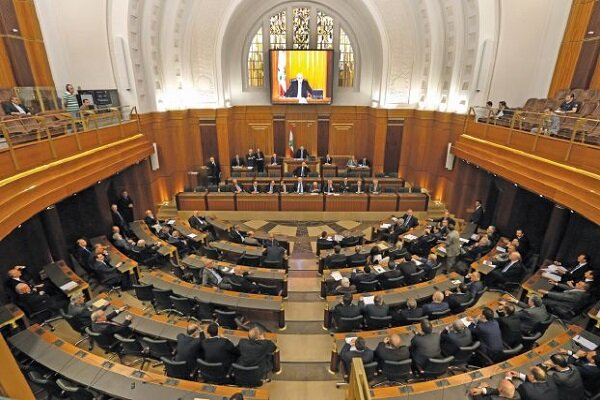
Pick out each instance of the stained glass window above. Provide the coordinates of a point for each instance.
(324, 31)
(346, 65)
(277, 30)
(256, 65)
(301, 23)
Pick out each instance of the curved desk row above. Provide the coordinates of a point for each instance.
(142, 231)
(218, 297)
(348, 251)
(127, 266)
(90, 370)
(419, 292)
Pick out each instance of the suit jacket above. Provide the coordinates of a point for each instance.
(407, 268)
(424, 347)
(237, 163)
(391, 274)
(400, 316)
(332, 189)
(301, 154)
(274, 189)
(197, 223)
(274, 160)
(475, 287)
(302, 171)
(564, 302)
(109, 328)
(538, 391)
(346, 354)
(82, 255)
(330, 259)
(256, 352)
(385, 352)
(410, 223)
(452, 244)
(362, 277)
(292, 91)
(188, 349)
(341, 310)
(258, 189)
(107, 274)
(510, 326)
(531, 316)
(237, 236)
(9, 108)
(373, 189)
(119, 220)
(209, 277)
(251, 160)
(569, 384)
(274, 253)
(524, 246)
(451, 341)
(296, 188)
(214, 170)
(373, 310)
(455, 300)
(219, 349)
(34, 302)
(435, 307)
(488, 333)
(150, 221)
(327, 160)
(477, 216)
(514, 273)
(576, 273)
(259, 157)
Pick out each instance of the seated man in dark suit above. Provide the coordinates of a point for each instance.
(531, 314)
(276, 254)
(239, 282)
(256, 350)
(358, 188)
(356, 348)
(337, 258)
(567, 378)
(365, 276)
(400, 316)
(345, 187)
(324, 242)
(455, 336)
(274, 160)
(236, 235)
(329, 187)
(301, 153)
(198, 222)
(148, 254)
(588, 365)
(300, 187)
(150, 219)
(486, 329)
(568, 303)
(425, 345)
(345, 309)
(83, 253)
(124, 245)
(357, 258)
(512, 272)
(80, 310)
(363, 162)
(254, 188)
(218, 349)
(437, 304)
(109, 275)
(189, 346)
(577, 271)
(327, 160)
(377, 309)
(392, 273)
(236, 187)
(315, 187)
(446, 217)
(237, 161)
(14, 107)
(459, 296)
(535, 385)
(391, 349)
(474, 283)
(510, 324)
(375, 187)
(302, 171)
(102, 323)
(504, 390)
(18, 274)
(272, 188)
(410, 221)
(33, 301)
(407, 267)
(344, 287)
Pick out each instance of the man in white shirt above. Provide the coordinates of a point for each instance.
(300, 186)
(14, 107)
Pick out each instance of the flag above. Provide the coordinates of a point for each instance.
(291, 144)
(281, 75)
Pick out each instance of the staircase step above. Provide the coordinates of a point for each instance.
(311, 371)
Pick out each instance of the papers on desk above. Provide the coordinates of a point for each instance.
(170, 222)
(551, 276)
(598, 314)
(336, 275)
(338, 238)
(410, 237)
(394, 219)
(156, 227)
(385, 226)
(315, 194)
(585, 343)
(250, 168)
(500, 249)
(192, 235)
(417, 262)
(68, 286)
(368, 300)
(465, 321)
(456, 282)
(554, 269)
(98, 304)
(489, 264)
(442, 249)
(349, 341)
(379, 269)
(475, 237)
(464, 240)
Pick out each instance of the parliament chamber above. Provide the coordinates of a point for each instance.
(351, 199)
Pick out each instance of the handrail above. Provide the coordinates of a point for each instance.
(358, 387)
(571, 127)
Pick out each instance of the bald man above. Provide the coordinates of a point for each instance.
(189, 345)
(535, 385)
(505, 390)
(299, 88)
(257, 350)
(391, 349)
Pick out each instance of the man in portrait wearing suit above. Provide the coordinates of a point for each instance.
(299, 186)
(306, 90)
(237, 161)
(410, 221)
(301, 153)
(302, 170)
(274, 160)
(214, 171)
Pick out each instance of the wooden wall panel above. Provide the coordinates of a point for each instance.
(280, 136)
(17, 53)
(393, 146)
(38, 62)
(305, 133)
(586, 64)
(341, 139)
(323, 135)
(208, 136)
(7, 79)
(29, 26)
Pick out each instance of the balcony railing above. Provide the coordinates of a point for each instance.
(571, 127)
(17, 131)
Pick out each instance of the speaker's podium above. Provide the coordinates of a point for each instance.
(301, 202)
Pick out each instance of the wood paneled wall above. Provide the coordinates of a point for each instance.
(577, 66)
(23, 59)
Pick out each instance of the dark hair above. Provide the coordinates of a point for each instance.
(509, 309)
(463, 287)
(367, 269)
(360, 343)
(324, 234)
(212, 329)
(192, 328)
(375, 250)
(426, 326)
(489, 104)
(237, 396)
(537, 300)
(559, 360)
(337, 249)
(488, 313)
(347, 299)
(586, 256)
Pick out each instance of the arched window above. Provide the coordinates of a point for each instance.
(301, 27)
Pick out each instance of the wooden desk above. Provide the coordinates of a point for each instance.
(301, 202)
(416, 201)
(221, 227)
(220, 201)
(59, 274)
(128, 266)
(191, 201)
(290, 164)
(117, 380)
(348, 251)
(389, 182)
(535, 283)
(243, 172)
(329, 170)
(383, 202)
(362, 172)
(218, 297)
(141, 231)
(328, 283)
(190, 233)
(283, 240)
(11, 315)
(164, 327)
(398, 296)
(482, 264)
(347, 202)
(273, 171)
(593, 314)
(268, 276)
(257, 202)
(237, 248)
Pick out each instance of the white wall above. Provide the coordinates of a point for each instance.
(75, 35)
(530, 35)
